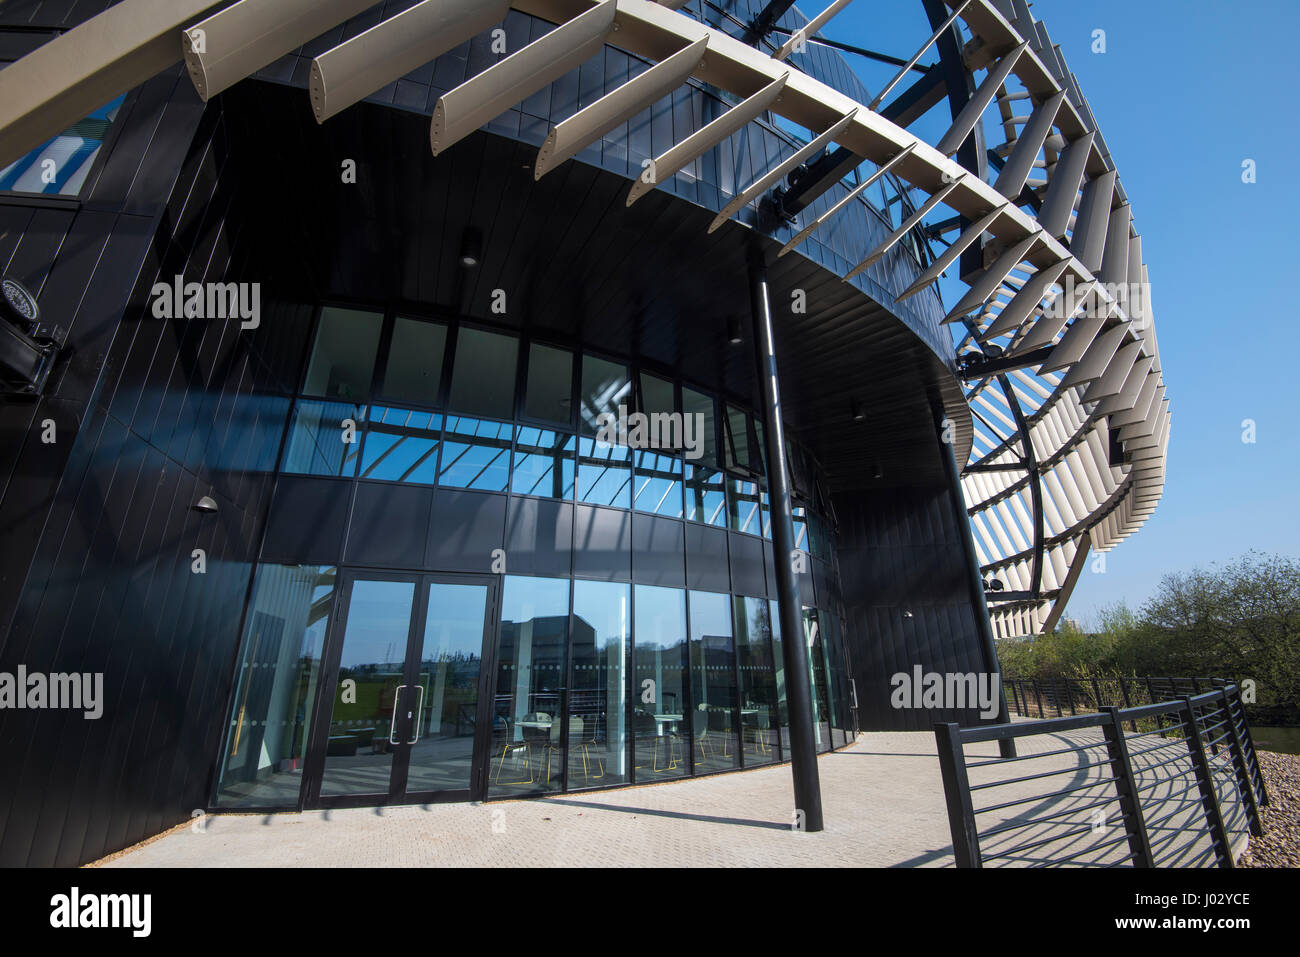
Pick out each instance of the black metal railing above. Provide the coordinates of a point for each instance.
(1172, 790)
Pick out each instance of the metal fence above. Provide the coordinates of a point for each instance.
(1172, 783)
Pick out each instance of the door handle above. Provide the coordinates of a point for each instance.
(392, 725)
(418, 708)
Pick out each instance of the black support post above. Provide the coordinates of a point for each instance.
(979, 607)
(794, 647)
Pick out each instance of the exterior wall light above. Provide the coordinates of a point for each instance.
(471, 249)
(206, 505)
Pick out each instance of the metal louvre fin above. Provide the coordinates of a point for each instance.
(1114, 263)
(972, 232)
(1074, 343)
(63, 81)
(811, 28)
(1046, 328)
(1093, 363)
(849, 197)
(992, 277)
(760, 185)
(1011, 181)
(1024, 302)
(672, 161)
(485, 96)
(1123, 400)
(904, 228)
(586, 126)
(240, 40)
(1089, 239)
(354, 70)
(1063, 186)
(979, 102)
(1112, 381)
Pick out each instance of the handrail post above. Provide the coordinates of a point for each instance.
(1248, 741)
(1130, 805)
(1128, 702)
(1205, 782)
(1096, 694)
(1069, 695)
(1039, 696)
(1056, 698)
(1245, 785)
(956, 789)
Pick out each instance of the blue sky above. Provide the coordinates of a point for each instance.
(1184, 93)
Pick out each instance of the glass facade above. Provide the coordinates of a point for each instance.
(60, 166)
(596, 679)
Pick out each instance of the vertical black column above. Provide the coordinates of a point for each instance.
(794, 646)
(979, 606)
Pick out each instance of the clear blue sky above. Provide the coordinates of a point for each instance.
(1187, 90)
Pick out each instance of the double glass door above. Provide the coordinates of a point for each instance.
(402, 715)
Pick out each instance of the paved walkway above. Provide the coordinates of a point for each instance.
(883, 802)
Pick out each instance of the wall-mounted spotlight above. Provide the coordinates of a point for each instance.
(877, 472)
(471, 248)
(994, 584)
(207, 504)
(857, 411)
(734, 335)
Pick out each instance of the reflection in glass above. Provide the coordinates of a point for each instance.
(598, 686)
(746, 515)
(706, 499)
(359, 750)
(782, 706)
(758, 704)
(414, 372)
(483, 378)
(527, 743)
(604, 474)
(544, 463)
(658, 484)
(738, 454)
(442, 755)
(713, 683)
(550, 384)
(320, 439)
(343, 359)
(279, 668)
(697, 403)
(821, 712)
(475, 454)
(605, 386)
(657, 395)
(401, 445)
(60, 166)
(658, 685)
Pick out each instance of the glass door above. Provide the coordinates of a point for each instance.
(401, 715)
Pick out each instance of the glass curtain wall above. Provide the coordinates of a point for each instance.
(278, 671)
(659, 684)
(758, 697)
(602, 638)
(528, 708)
(713, 683)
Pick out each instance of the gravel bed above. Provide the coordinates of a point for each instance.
(1280, 845)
